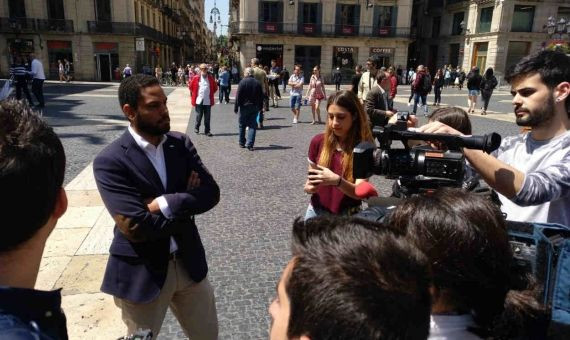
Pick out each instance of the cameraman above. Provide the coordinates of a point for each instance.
(376, 104)
(531, 170)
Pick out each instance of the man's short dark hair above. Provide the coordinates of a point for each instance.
(354, 279)
(32, 168)
(130, 88)
(553, 67)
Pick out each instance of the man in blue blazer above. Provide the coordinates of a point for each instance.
(153, 182)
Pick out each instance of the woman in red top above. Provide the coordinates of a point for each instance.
(330, 179)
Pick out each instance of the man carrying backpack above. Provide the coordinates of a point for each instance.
(421, 87)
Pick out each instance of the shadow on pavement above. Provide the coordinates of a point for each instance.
(272, 147)
(274, 118)
(274, 127)
(224, 134)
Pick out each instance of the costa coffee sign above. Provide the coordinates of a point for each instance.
(381, 50)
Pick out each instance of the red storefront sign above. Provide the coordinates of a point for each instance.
(309, 28)
(106, 47)
(270, 27)
(347, 29)
(58, 44)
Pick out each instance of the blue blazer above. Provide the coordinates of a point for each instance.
(140, 249)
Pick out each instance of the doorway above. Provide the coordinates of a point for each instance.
(480, 55)
(103, 65)
(308, 57)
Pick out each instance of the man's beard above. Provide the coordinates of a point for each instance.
(540, 116)
(151, 129)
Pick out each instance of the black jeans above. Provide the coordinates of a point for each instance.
(224, 92)
(23, 86)
(437, 93)
(486, 95)
(337, 86)
(38, 90)
(203, 110)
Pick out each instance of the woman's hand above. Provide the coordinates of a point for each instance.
(310, 188)
(322, 175)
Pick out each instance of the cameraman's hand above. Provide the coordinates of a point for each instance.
(322, 175)
(438, 127)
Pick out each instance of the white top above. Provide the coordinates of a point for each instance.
(299, 80)
(37, 69)
(451, 327)
(545, 194)
(203, 91)
(155, 155)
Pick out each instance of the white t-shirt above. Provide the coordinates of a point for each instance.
(451, 327)
(38, 70)
(203, 91)
(545, 194)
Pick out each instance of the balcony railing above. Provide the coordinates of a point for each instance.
(451, 2)
(250, 27)
(130, 28)
(55, 25)
(17, 25)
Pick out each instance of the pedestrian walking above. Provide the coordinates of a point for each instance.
(331, 182)
(447, 76)
(235, 74)
(285, 78)
(316, 93)
(356, 78)
(461, 76)
(249, 101)
(224, 82)
(158, 73)
(38, 78)
(421, 87)
(260, 75)
(393, 81)
(67, 70)
(153, 182)
(474, 88)
(488, 84)
(412, 94)
(274, 77)
(202, 89)
(60, 70)
(174, 74)
(127, 71)
(337, 78)
(367, 81)
(296, 82)
(438, 83)
(19, 74)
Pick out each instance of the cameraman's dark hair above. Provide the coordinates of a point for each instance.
(130, 88)
(465, 239)
(553, 67)
(32, 168)
(454, 117)
(355, 279)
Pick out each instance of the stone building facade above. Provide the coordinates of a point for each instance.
(328, 33)
(100, 37)
(483, 33)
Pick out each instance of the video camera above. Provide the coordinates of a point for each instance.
(418, 168)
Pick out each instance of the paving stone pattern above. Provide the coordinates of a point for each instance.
(247, 235)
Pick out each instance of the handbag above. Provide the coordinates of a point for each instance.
(456, 82)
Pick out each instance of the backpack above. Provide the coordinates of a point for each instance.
(426, 83)
(489, 84)
(543, 250)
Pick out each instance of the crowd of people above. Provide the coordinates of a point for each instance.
(439, 266)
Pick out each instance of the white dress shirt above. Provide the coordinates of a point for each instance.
(451, 327)
(203, 91)
(37, 70)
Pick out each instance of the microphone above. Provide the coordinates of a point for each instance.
(365, 190)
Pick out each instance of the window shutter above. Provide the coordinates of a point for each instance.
(356, 19)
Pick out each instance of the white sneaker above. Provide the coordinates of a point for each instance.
(294, 120)
(410, 104)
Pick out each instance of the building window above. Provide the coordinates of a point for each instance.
(103, 10)
(385, 16)
(17, 8)
(310, 13)
(55, 9)
(456, 26)
(523, 18)
(347, 15)
(485, 19)
(517, 50)
(270, 12)
(435, 24)
(454, 55)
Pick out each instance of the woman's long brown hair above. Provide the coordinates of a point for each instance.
(359, 132)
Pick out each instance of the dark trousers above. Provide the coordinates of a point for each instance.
(390, 104)
(247, 118)
(486, 95)
(203, 110)
(276, 86)
(38, 90)
(224, 92)
(437, 93)
(337, 86)
(417, 98)
(23, 86)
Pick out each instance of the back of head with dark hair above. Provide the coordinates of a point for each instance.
(355, 279)
(453, 116)
(130, 88)
(32, 167)
(465, 239)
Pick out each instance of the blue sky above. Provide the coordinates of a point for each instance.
(223, 6)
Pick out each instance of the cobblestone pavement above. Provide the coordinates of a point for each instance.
(247, 235)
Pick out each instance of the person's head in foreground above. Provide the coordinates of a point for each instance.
(540, 85)
(452, 116)
(465, 239)
(351, 279)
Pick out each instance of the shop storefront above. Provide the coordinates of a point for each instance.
(22, 47)
(345, 57)
(106, 55)
(266, 53)
(386, 55)
(58, 50)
